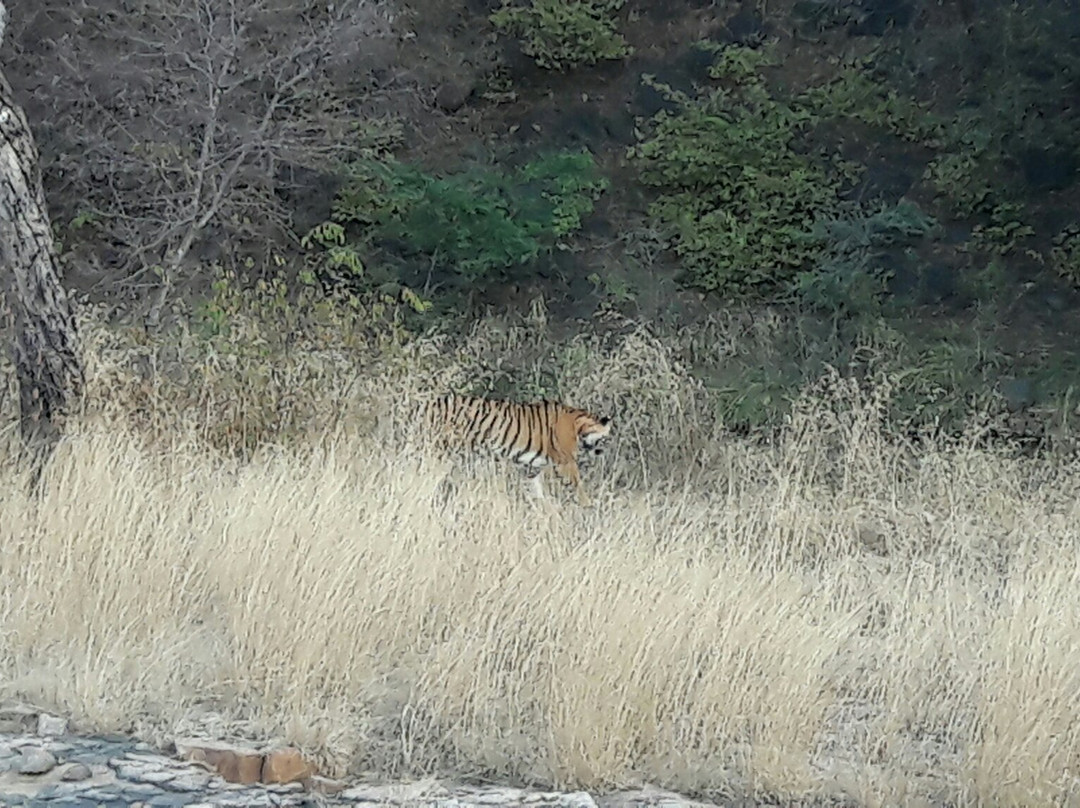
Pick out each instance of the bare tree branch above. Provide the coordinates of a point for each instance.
(175, 134)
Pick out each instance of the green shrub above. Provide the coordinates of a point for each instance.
(1005, 229)
(480, 221)
(561, 34)
(855, 94)
(1065, 254)
(736, 198)
(850, 277)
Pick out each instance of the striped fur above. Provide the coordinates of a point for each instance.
(535, 436)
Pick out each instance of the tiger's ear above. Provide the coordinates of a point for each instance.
(605, 421)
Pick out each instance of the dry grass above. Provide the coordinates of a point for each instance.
(831, 616)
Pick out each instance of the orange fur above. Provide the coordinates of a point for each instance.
(546, 433)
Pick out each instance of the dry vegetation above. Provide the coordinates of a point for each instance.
(828, 616)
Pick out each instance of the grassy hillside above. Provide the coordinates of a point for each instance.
(819, 259)
(830, 615)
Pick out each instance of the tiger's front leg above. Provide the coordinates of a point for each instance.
(572, 475)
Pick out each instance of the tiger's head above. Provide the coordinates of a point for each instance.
(591, 431)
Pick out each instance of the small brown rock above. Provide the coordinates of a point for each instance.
(285, 765)
(237, 764)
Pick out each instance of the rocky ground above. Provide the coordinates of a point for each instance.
(41, 764)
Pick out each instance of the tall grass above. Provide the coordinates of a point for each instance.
(832, 615)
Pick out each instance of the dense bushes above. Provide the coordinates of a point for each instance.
(479, 222)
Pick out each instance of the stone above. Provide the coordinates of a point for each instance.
(51, 725)
(148, 758)
(422, 791)
(325, 785)
(501, 796)
(191, 780)
(75, 772)
(237, 764)
(284, 788)
(577, 799)
(129, 770)
(158, 777)
(286, 765)
(452, 95)
(16, 719)
(36, 761)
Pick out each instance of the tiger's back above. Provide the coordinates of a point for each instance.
(537, 435)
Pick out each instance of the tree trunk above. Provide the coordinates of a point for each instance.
(47, 362)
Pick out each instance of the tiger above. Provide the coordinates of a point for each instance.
(535, 436)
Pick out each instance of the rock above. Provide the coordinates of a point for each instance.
(237, 764)
(286, 766)
(158, 777)
(16, 719)
(75, 772)
(191, 780)
(578, 799)
(51, 725)
(324, 785)
(36, 761)
(499, 796)
(423, 791)
(452, 95)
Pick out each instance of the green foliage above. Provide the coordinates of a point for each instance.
(85, 218)
(480, 221)
(261, 318)
(1065, 254)
(338, 254)
(1021, 67)
(855, 94)
(820, 15)
(941, 375)
(850, 277)
(760, 395)
(889, 224)
(1016, 73)
(735, 197)
(988, 284)
(561, 34)
(613, 286)
(567, 182)
(961, 180)
(1004, 230)
(463, 219)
